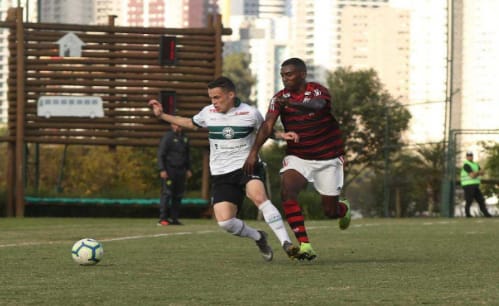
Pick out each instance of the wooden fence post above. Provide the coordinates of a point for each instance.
(20, 103)
(11, 147)
(217, 24)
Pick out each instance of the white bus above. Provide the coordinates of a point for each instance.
(70, 106)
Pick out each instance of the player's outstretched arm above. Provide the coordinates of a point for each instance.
(157, 109)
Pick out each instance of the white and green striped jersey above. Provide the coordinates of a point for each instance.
(231, 135)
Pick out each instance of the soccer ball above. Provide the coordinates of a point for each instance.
(87, 252)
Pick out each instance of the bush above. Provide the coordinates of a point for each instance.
(3, 202)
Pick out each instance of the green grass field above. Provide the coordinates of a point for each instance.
(374, 262)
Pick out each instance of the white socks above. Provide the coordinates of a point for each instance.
(238, 228)
(272, 217)
(274, 220)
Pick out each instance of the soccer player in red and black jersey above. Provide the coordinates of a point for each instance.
(314, 151)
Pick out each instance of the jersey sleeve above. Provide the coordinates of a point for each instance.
(274, 107)
(320, 92)
(200, 118)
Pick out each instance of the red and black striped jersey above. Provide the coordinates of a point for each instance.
(320, 135)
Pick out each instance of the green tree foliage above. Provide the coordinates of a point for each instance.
(236, 68)
(3, 172)
(414, 183)
(91, 171)
(124, 170)
(370, 118)
(3, 159)
(417, 178)
(491, 168)
(97, 171)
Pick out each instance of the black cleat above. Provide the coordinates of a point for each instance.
(264, 247)
(292, 251)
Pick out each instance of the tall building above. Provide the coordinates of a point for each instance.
(198, 11)
(169, 14)
(261, 30)
(147, 13)
(316, 30)
(106, 8)
(377, 39)
(67, 11)
(403, 40)
(427, 70)
(475, 104)
(29, 14)
(273, 8)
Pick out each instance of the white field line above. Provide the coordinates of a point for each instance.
(35, 243)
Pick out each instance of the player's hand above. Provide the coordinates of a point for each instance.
(157, 108)
(249, 164)
(281, 101)
(289, 136)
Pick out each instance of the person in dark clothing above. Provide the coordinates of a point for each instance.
(174, 164)
(470, 181)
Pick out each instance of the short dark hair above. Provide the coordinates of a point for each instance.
(224, 83)
(297, 62)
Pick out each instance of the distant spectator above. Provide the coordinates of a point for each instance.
(174, 165)
(470, 180)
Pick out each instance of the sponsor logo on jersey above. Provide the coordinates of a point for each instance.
(241, 113)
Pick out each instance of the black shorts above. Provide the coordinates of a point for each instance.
(231, 187)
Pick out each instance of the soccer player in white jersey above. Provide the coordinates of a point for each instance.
(232, 126)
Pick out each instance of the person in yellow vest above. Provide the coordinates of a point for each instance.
(470, 180)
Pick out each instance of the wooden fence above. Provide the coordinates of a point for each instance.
(118, 64)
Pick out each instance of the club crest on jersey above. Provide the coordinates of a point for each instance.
(228, 132)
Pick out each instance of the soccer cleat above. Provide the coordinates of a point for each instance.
(264, 247)
(344, 221)
(292, 251)
(176, 222)
(306, 252)
(163, 223)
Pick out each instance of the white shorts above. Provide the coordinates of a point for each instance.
(326, 175)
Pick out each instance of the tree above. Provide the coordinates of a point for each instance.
(3, 158)
(414, 184)
(491, 167)
(370, 118)
(236, 68)
(417, 176)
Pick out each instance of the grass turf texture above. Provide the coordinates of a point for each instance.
(374, 262)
